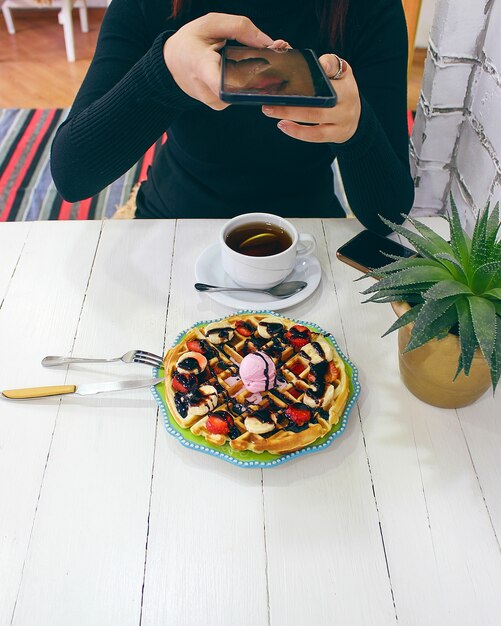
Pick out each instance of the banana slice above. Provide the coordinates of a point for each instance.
(205, 402)
(328, 398)
(326, 347)
(253, 425)
(219, 332)
(323, 401)
(191, 363)
(312, 401)
(269, 327)
(317, 351)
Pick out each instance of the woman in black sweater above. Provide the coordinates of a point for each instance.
(156, 68)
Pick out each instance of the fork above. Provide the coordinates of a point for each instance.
(133, 356)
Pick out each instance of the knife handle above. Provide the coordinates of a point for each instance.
(38, 392)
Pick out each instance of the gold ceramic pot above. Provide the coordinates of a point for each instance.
(428, 371)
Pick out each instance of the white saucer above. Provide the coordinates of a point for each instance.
(208, 269)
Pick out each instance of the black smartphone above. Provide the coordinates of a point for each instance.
(365, 251)
(265, 76)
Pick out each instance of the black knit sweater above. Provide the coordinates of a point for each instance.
(219, 164)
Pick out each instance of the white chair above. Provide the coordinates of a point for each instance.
(64, 17)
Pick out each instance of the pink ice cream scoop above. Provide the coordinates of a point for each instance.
(257, 372)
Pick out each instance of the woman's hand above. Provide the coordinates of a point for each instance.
(192, 56)
(333, 125)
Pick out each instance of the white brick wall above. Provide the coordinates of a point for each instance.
(456, 141)
(496, 194)
(444, 84)
(456, 27)
(474, 165)
(492, 46)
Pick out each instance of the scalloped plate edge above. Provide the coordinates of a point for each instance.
(284, 457)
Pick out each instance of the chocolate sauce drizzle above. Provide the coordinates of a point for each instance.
(273, 328)
(223, 332)
(266, 370)
(190, 364)
(274, 349)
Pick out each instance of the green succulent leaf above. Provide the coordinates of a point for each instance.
(483, 315)
(406, 318)
(396, 295)
(435, 318)
(410, 298)
(496, 356)
(400, 293)
(445, 289)
(401, 264)
(449, 284)
(409, 277)
(459, 241)
(442, 334)
(467, 336)
(395, 257)
(441, 245)
(479, 250)
(493, 226)
(486, 276)
(493, 294)
(461, 274)
(422, 245)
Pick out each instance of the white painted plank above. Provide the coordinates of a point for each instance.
(206, 558)
(443, 556)
(481, 424)
(91, 527)
(482, 430)
(326, 559)
(39, 316)
(12, 238)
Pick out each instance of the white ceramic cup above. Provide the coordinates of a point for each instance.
(263, 271)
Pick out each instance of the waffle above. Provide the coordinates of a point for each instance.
(202, 380)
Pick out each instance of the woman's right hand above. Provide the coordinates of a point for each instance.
(192, 56)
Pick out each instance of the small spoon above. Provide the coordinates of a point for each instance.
(284, 290)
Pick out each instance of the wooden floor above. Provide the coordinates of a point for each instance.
(34, 71)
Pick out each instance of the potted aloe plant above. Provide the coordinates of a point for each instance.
(448, 301)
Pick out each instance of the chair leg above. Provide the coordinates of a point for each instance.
(8, 19)
(84, 22)
(65, 18)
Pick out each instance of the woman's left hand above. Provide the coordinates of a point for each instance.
(332, 125)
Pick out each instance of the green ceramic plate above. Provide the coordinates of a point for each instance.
(248, 458)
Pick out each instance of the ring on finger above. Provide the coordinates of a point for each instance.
(339, 73)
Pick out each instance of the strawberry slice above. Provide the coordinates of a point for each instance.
(201, 346)
(298, 336)
(184, 382)
(244, 328)
(332, 373)
(298, 413)
(219, 423)
(318, 372)
(297, 368)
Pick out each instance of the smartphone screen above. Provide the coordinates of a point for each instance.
(365, 251)
(264, 76)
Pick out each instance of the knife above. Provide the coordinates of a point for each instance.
(80, 390)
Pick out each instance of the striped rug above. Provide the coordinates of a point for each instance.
(27, 191)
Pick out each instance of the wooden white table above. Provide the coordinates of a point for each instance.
(107, 520)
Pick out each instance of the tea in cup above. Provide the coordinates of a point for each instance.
(260, 250)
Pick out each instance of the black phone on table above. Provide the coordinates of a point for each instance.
(365, 251)
(260, 76)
